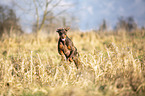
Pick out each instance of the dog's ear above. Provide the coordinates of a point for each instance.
(58, 29)
(67, 28)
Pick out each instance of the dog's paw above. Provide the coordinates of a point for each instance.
(63, 58)
(70, 59)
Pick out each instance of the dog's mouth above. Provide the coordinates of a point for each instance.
(63, 39)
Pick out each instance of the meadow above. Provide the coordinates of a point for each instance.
(113, 64)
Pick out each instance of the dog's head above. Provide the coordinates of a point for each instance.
(62, 32)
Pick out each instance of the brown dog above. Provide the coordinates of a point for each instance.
(66, 47)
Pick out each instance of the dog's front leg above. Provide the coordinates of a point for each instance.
(71, 53)
(63, 58)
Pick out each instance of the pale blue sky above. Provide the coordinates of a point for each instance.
(90, 13)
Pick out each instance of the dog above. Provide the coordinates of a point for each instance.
(66, 48)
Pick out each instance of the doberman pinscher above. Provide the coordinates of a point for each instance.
(66, 47)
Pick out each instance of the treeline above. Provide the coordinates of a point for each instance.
(123, 23)
(46, 13)
(10, 23)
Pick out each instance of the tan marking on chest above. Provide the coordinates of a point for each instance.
(69, 47)
(61, 52)
(60, 46)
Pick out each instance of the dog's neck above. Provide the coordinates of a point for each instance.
(63, 41)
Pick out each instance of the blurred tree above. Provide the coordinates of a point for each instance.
(48, 14)
(127, 24)
(103, 26)
(131, 24)
(9, 22)
(50, 24)
(47, 6)
(121, 24)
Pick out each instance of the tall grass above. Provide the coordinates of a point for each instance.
(112, 64)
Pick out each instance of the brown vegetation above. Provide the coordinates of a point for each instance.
(113, 64)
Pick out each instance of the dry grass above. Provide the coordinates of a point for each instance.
(112, 64)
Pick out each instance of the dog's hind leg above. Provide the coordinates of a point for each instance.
(77, 62)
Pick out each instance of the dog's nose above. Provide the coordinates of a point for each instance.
(63, 36)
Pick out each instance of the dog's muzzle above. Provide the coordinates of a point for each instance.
(63, 39)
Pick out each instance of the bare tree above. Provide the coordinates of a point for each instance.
(41, 21)
(43, 10)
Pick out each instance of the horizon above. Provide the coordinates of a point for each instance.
(91, 13)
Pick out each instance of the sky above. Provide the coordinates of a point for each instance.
(90, 13)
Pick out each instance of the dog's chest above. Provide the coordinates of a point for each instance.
(65, 48)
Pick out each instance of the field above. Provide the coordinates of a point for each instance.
(113, 64)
